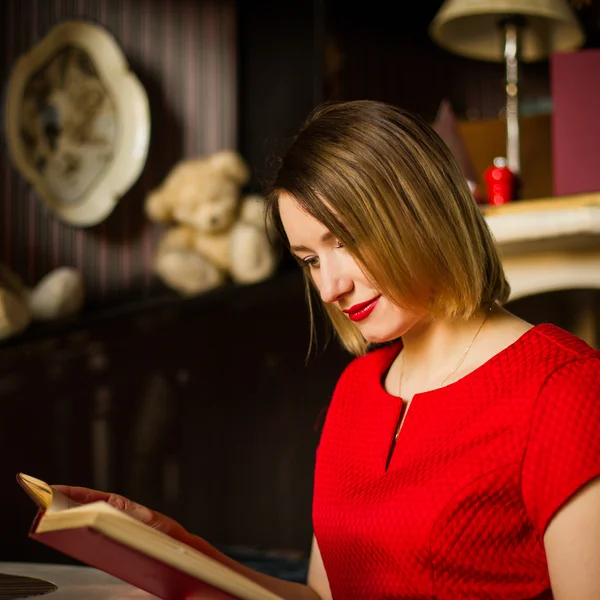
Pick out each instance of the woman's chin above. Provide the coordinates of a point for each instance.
(379, 337)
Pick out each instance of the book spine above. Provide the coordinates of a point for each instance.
(40, 513)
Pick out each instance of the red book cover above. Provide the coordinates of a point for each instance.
(142, 571)
(147, 559)
(575, 89)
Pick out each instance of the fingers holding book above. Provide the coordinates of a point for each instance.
(154, 519)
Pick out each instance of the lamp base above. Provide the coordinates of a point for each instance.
(512, 32)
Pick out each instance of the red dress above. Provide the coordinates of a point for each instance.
(479, 469)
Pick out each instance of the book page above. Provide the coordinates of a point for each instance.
(43, 495)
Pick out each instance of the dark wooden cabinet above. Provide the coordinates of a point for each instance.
(205, 409)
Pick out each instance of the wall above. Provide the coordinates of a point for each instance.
(185, 54)
(281, 79)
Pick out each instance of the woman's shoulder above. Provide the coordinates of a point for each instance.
(552, 335)
(553, 345)
(548, 352)
(540, 352)
(546, 343)
(579, 362)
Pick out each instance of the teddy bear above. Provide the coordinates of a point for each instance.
(60, 293)
(214, 233)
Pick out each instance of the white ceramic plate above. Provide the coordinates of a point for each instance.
(77, 122)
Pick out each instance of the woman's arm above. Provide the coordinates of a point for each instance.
(572, 542)
(317, 577)
(317, 588)
(288, 590)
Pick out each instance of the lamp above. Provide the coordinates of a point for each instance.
(507, 31)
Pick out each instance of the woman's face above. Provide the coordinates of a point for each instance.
(340, 280)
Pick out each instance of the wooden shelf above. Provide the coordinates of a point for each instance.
(156, 308)
(542, 204)
(549, 244)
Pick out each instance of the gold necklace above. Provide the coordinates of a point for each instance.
(464, 354)
(456, 367)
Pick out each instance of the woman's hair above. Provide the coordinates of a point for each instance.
(387, 186)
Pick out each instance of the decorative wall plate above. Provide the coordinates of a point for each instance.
(77, 121)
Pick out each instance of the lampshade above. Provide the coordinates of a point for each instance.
(471, 28)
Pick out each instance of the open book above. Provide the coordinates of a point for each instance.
(103, 537)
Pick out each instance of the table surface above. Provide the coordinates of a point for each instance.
(75, 582)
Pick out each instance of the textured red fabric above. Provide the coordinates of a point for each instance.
(480, 468)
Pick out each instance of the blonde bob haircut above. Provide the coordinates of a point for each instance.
(386, 185)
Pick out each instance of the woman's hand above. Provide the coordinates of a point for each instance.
(150, 517)
(285, 589)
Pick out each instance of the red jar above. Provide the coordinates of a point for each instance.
(500, 182)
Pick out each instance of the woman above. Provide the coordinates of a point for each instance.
(460, 455)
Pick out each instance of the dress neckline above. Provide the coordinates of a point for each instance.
(396, 348)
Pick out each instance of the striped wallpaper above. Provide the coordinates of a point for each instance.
(184, 53)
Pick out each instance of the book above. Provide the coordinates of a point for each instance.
(103, 537)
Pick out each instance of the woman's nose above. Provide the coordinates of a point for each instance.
(333, 284)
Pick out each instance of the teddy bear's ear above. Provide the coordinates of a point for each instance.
(232, 165)
(157, 209)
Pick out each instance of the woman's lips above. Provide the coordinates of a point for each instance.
(361, 311)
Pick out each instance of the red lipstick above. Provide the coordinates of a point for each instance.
(361, 311)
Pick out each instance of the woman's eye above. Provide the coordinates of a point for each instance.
(338, 244)
(310, 261)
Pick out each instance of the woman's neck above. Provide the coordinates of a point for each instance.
(434, 352)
